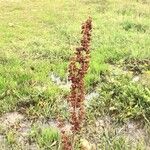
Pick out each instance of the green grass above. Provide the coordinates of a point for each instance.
(45, 138)
(38, 38)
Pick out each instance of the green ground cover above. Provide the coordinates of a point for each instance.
(37, 39)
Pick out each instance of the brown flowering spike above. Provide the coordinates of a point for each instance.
(78, 67)
(66, 141)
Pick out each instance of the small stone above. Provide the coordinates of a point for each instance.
(91, 96)
(136, 78)
(10, 24)
(85, 145)
(102, 123)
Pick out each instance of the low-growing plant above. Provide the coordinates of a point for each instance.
(122, 99)
(47, 138)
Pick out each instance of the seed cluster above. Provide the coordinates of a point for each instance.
(78, 67)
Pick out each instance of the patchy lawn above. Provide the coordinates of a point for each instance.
(37, 39)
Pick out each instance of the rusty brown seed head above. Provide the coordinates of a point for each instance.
(78, 67)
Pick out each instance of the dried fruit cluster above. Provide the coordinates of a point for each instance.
(78, 67)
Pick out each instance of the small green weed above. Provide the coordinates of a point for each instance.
(47, 138)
